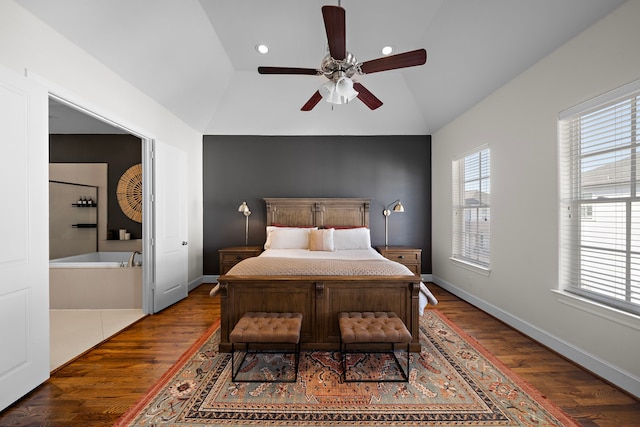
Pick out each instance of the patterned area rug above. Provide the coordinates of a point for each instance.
(452, 381)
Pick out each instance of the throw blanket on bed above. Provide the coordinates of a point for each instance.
(261, 266)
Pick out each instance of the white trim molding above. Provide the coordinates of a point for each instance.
(210, 278)
(195, 283)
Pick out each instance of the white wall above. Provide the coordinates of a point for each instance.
(519, 124)
(27, 43)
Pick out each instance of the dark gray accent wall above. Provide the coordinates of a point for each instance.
(119, 151)
(383, 168)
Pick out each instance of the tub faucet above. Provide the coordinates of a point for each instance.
(133, 255)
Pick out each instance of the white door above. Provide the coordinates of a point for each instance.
(24, 236)
(170, 224)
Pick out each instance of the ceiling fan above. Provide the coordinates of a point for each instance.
(339, 66)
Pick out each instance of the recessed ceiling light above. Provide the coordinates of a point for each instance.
(262, 48)
(387, 50)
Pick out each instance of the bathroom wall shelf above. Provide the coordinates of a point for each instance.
(84, 225)
(78, 205)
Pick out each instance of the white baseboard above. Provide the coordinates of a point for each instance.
(620, 378)
(427, 277)
(195, 283)
(210, 278)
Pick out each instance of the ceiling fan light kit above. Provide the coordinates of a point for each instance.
(338, 91)
(339, 66)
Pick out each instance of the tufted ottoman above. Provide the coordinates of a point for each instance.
(272, 329)
(368, 327)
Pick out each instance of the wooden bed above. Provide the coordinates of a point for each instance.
(318, 298)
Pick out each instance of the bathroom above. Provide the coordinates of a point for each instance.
(95, 236)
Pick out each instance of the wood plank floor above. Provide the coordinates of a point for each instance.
(97, 388)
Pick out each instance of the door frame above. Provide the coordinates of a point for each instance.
(148, 227)
(72, 100)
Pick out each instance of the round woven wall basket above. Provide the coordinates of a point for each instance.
(129, 192)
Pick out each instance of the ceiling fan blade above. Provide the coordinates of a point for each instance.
(312, 102)
(401, 60)
(334, 24)
(367, 97)
(288, 70)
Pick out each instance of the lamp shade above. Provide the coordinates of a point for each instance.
(244, 208)
(398, 207)
(340, 91)
(344, 87)
(328, 92)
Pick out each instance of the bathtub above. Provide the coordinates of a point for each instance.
(95, 260)
(98, 280)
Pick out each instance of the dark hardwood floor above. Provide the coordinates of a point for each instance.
(98, 387)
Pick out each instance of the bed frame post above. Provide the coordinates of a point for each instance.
(415, 345)
(225, 314)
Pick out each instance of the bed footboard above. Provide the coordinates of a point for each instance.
(319, 299)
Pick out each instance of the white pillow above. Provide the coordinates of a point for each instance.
(352, 238)
(270, 228)
(288, 238)
(321, 240)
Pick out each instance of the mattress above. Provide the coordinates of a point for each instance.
(303, 262)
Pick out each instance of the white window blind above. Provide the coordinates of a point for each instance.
(471, 212)
(600, 199)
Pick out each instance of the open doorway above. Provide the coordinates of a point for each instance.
(89, 159)
(164, 212)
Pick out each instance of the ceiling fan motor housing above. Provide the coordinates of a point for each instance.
(333, 69)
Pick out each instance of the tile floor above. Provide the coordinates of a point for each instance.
(75, 331)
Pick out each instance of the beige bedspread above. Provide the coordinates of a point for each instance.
(272, 266)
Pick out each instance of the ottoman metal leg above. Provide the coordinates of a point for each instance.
(234, 371)
(272, 330)
(374, 328)
(404, 372)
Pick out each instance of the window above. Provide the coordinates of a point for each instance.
(471, 212)
(600, 199)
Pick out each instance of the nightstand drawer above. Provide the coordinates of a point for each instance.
(234, 257)
(415, 268)
(403, 257)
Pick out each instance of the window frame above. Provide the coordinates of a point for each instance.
(579, 249)
(471, 246)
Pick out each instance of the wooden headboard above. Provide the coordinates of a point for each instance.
(322, 212)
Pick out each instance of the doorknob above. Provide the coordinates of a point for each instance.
(184, 243)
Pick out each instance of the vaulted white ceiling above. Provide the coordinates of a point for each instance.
(198, 59)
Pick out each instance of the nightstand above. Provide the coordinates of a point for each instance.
(411, 257)
(233, 255)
